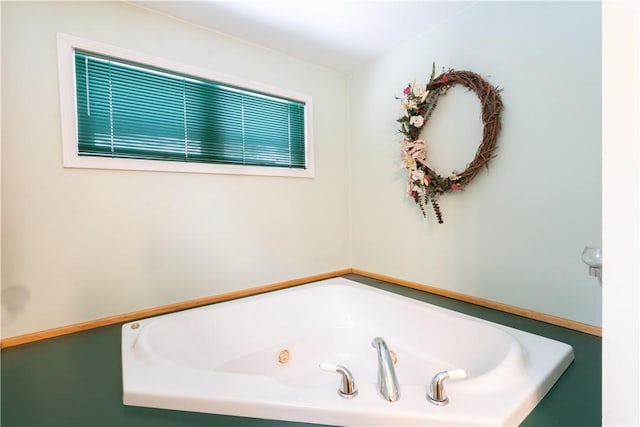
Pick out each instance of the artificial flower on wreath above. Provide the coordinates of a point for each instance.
(424, 185)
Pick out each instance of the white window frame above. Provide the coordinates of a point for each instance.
(66, 71)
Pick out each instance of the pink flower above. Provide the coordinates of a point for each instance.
(455, 187)
(407, 90)
(444, 78)
(410, 192)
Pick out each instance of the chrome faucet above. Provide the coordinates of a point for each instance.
(387, 382)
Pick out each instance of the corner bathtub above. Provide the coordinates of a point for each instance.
(259, 357)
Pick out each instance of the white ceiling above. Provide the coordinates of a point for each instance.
(341, 35)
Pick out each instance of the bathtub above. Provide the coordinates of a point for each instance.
(259, 357)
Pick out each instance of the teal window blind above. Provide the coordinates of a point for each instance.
(131, 110)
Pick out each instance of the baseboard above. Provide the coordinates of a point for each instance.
(122, 318)
(531, 314)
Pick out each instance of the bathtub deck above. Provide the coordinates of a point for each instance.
(75, 380)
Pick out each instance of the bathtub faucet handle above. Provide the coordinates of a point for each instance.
(347, 388)
(436, 390)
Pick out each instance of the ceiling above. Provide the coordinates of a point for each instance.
(342, 35)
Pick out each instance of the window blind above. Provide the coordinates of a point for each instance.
(134, 111)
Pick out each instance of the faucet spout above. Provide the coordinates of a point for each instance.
(387, 382)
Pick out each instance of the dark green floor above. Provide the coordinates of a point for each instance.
(75, 380)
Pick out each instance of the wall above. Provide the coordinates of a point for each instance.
(516, 234)
(621, 213)
(79, 245)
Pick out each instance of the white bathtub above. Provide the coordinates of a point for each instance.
(224, 359)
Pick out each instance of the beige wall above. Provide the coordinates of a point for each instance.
(82, 244)
(79, 245)
(516, 234)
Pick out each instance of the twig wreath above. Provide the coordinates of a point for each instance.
(424, 184)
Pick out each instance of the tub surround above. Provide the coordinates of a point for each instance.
(32, 375)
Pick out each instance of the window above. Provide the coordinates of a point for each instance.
(131, 111)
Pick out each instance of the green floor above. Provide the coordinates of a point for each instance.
(75, 380)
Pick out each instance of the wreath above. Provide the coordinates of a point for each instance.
(425, 185)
